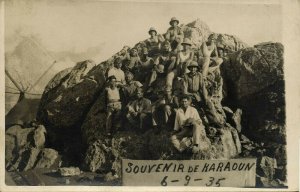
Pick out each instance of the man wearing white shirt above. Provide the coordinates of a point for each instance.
(117, 72)
(187, 124)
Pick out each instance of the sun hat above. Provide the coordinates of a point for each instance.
(186, 41)
(174, 19)
(152, 29)
(193, 64)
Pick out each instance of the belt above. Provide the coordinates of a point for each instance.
(114, 101)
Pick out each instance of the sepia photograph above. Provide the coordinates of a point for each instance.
(146, 93)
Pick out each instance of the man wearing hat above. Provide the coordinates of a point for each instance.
(184, 57)
(139, 112)
(113, 105)
(154, 42)
(174, 33)
(194, 84)
(117, 72)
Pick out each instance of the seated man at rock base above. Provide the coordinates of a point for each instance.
(139, 112)
(164, 110)
(187, 124)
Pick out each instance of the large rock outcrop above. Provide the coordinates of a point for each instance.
(251, 83)
(67, 98)
(255, 83)
(24, 149)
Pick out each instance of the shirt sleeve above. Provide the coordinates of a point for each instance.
(195, 115)
(110, 73)
(123, 78)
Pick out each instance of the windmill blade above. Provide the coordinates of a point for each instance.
(39, 79)
(13, 81)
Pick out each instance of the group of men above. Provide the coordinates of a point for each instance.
(161, 84)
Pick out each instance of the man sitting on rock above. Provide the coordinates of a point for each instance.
(174, 34)
(154, 42)
(167, 57)
(130, 88)
(193, 83)
(134, 60)
(113, 105)
(157, 82)
(139, 112)
(164, 110)
(187, 124)
(117, 72)
(143, 71)
(209, 56)
(183, 59)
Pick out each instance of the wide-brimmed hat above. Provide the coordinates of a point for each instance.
(152, 29)
(186, 41)
(193, 64)
(160, 68)
(220, 46)
(174, 19)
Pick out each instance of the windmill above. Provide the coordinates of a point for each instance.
(28, 69)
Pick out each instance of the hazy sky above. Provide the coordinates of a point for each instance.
(75, 26)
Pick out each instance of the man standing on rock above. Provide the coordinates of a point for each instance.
(174, 34)
(117, 72)
(113, 105)
(187, 124)
(139, 112)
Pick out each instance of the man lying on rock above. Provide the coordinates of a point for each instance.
(187, 124)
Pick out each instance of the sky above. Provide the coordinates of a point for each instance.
(77, 30)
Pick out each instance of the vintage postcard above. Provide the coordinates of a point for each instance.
(150, 95)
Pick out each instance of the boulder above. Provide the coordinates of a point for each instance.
(16, 138)
(237, 118)
(229, 43)
(46, 158)
(252, 69)
(69, 171)
(197, 31)
(67, 99)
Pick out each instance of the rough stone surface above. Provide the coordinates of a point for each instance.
(197, 31)
(237, 119)
(230, 43)
(69, 171)
(24, 148)
(46, 158)
(252, 69)
(65, 105)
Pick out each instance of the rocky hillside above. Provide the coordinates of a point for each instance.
(250, 100)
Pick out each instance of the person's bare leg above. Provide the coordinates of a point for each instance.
(170, 78)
